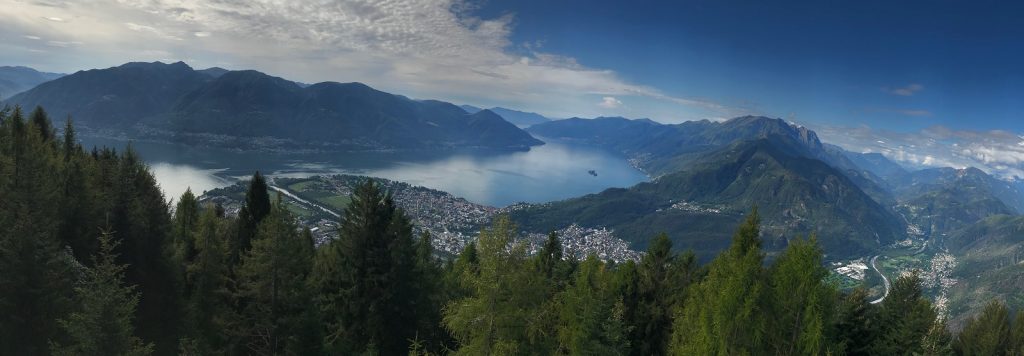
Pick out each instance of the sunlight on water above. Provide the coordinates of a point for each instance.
(174, 179)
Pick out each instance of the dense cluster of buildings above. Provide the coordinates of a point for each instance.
(452, 222)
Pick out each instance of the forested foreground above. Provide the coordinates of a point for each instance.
(93, 262)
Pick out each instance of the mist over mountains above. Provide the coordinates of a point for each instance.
(173, 102)
(14, 80)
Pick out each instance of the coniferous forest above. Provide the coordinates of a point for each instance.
(95, 261)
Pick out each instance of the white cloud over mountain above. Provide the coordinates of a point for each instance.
(997, 152)
(423, 48)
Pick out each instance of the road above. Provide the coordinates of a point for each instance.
(296, 198)
(885, 281)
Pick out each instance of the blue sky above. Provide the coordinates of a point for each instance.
(960, 63)
(924, 82)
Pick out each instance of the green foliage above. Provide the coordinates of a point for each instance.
(904, 319)
(200, 283)
(36, 273)
(591, 314)
(256, 207)
(500, 317)
(730, 306)
(206, 294)
(277, 314)
(102, 325)
(366, 279)
(987, 334)
(802, 304)
(855, 324)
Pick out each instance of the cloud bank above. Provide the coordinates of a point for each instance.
(424, 48)
(997, 152)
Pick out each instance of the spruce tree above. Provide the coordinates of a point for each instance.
(1017, 334)
(36, 271)
(207, 308)
(726, 313)
(186, 223)
(278, 313)
(139, 214)
(499, 317)
(855, 324)
(801, 303)
(986, 334)
(255, 208)
(905, 318)
(102, 325)
(367, 277)
(590, 314)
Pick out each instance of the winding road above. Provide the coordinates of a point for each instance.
(885, 281)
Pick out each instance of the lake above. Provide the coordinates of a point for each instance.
(550, 172)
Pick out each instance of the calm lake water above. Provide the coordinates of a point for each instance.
(554, 171)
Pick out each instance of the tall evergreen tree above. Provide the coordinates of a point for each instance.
(855, 324)
(140, 216)
(591, 315)
(986, 334)
(36, 273)
(256, 207)
(186, 224)
(660, 281)
(725, 314)
(207, 308)
(905, 318)
(550, 254)
(366, 278)
(499, 316)
(801, 303)
(103, 323)
(41, 122)
(278, 314)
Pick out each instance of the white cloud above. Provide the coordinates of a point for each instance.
(908, 90)
(996, 152)
(424, 48)
(609, 102)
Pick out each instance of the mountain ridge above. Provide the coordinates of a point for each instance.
(177, 103)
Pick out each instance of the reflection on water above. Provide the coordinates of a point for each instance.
(550, 172)
(174, 179)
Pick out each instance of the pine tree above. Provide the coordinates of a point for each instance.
(905, 318)
(986, 334)
(725, 314)
(278, 312)
(256, 207)
(36, 273)
(660, 280)
(207, 308)
(186, 223)
(590, 315)
(550, 254)
(432, 297)
(103, 323)
(41, 122)
(855, 324)
(801, 303)
(506, 296)
(140, 216)
(366, 278)
(1017, 334)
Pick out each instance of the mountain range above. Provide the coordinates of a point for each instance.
(521, 119)
(14, 80)
(248, 108)
(708, 174)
